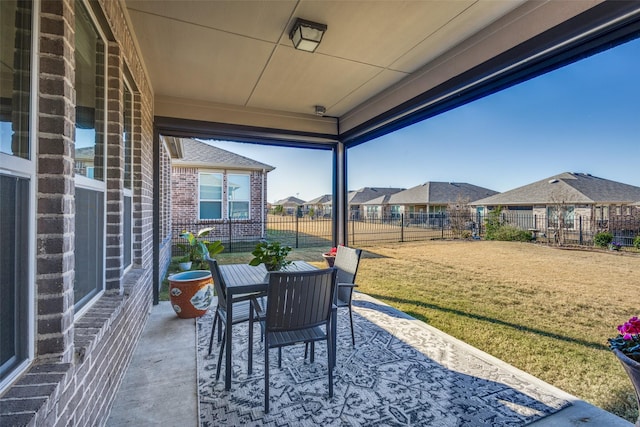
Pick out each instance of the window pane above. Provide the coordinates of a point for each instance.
(239, 210)
(210, 186)
(127, 136)
(210, 193)
(15, 69)
(239, 187)
(89, 56)
(127, 231)
(210, 210)
(89, 245)
(14, 255)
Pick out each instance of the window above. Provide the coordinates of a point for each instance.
(239, 193)
(395, 211)
(90, 187)
(560, 216)
(127, 133)
(17, 172)
(210, 196)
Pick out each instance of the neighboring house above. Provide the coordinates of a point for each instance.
(290, 205)
(321, 206)
(210, 185)
(356, 201)
(565, 197)
(431, 199)
(85, 162)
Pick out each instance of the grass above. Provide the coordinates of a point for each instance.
(545, 310)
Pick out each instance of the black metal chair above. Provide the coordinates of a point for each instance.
(347, 261)
(299, 303)
(241, 310)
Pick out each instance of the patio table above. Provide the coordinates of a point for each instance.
(245, 279)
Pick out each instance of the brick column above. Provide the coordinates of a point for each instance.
(115, 169)
(56, 188)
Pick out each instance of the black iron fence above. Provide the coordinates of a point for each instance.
(303, 232)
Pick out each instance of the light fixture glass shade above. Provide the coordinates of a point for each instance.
(306, 35)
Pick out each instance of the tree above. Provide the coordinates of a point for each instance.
(459, 216)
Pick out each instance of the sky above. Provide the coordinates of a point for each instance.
(584, 117)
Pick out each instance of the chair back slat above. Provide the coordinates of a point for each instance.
(299, 299)
(218, 283)
(347, 261)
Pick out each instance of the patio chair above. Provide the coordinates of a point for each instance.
(241, 307)
(299, 303)
(347, 261)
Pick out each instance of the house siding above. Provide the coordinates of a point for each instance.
(80, 362)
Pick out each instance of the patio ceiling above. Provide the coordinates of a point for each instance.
(228, 68)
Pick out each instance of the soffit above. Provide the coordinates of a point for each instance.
(232, 61)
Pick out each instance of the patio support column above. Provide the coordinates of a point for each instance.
(339, 211)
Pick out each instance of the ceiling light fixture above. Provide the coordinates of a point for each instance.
(306, 35)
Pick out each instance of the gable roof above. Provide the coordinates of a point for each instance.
(325, 198)
(200, 154)
(440, 193)
(369, 193)
(290, 201)
(567, 187)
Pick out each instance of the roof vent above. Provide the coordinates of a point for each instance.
(553, 181)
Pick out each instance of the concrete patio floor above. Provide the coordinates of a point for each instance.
(161, 387)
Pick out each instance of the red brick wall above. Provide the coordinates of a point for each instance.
(185, 199)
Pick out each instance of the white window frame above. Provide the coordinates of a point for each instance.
(221, 200)
(93, 184)
(26, 168)
(128, 192)
(248, 175)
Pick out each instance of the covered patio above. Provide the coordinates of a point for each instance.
(401, 372)
(94, 94)
(377, 69)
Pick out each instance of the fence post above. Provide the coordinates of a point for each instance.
(297, 230)
(580, 222)
(402, 227)
(441, 226)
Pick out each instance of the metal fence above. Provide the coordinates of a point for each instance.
(304, 232)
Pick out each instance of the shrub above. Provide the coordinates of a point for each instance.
(636, 242)
(602, 239)
(509, 233)
(493, 223)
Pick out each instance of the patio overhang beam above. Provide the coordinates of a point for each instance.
(600, 28)
(185, 128)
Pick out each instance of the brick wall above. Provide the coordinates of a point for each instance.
(80, 362)
(185, 198)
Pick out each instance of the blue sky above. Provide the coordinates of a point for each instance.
(581, 118)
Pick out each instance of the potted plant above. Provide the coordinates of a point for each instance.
(191, 292)
(330, 257)
(626, 347)
(615, 246)
(272, 254)
(197, 248)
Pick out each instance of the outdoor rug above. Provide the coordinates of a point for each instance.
(402, 372)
